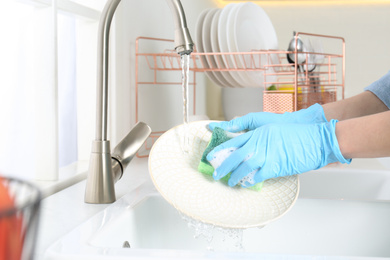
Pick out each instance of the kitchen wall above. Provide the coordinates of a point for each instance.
(365, 28)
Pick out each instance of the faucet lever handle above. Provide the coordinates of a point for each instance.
(125, 150)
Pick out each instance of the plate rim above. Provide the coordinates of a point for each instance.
(199, 42)
(267, 44)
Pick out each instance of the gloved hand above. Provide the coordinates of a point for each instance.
(251, 121)
(276, 150)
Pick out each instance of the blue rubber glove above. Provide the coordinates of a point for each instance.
(251, 121)
(277, 150)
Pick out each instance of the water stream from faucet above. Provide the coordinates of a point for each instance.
(185, 64)
(207, 231)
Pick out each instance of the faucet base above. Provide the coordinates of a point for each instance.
(100, 183)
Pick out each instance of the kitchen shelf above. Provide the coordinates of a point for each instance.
(287, 87)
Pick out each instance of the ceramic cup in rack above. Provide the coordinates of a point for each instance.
(241, 101)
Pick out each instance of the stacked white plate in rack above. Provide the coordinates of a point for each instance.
(236, 28)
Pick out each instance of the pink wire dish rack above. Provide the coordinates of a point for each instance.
(287, 86)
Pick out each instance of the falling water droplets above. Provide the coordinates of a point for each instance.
(233, 236)
(218, 238)
(201, 230)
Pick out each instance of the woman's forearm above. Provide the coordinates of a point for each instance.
(365, 137)
(363, 104)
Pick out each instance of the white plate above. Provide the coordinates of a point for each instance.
(206, 44)
(199, 43)
(223, 43)
(231, 82)
(175, 175)
(232, 46)
(253, 30)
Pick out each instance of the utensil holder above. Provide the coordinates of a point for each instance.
(296, 87)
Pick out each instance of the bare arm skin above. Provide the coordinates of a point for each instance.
(363, 127)
(365, 137)
(363, 104)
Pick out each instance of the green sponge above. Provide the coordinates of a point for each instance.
(218, 137)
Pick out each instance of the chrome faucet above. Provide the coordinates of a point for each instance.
(106, 168)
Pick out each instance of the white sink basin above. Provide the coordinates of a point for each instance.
(349, 218)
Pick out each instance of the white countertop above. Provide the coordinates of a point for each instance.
(61, 212)
(67, 176)
(64, 210)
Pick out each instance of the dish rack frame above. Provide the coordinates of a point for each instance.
(294, 87)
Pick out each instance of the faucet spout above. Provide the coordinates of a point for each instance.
(105, 169)
(183, 41)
